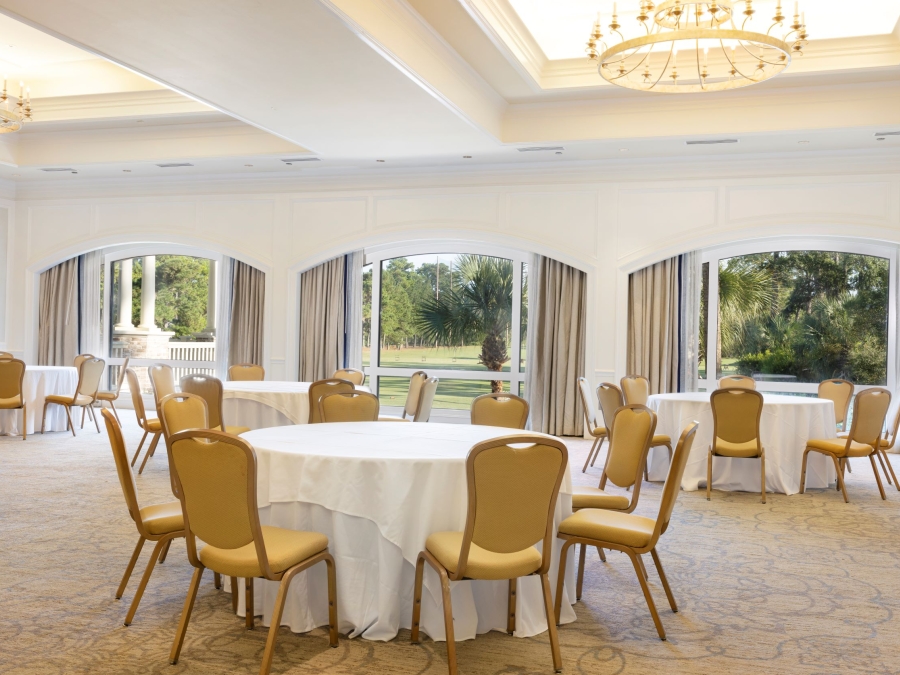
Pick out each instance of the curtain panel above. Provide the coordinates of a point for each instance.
(58, 315)
(555, 346)
(248, 301)
(90, 339)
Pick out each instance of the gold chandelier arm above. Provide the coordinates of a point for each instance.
(699, 75)
(732, 63)
(639, 64)
(758, 58)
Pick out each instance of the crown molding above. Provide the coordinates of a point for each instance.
(148, 103)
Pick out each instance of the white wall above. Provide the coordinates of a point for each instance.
(606, 219)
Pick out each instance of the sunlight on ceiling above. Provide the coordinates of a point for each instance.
(561, 27)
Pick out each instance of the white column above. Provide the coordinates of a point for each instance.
(125, 296)
(211, 301)
(148, 295)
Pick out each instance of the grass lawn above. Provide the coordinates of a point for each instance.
(460, 358)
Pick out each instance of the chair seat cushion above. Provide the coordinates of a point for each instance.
(162, 519)
(234, 431)
(153, 425)
(884, 443)
(660, 439)
(598, 431)
(77, 400)
(285, 548)
(838, 447)
(11, 402)
(393, 418)
(729, 449)
(107, 395)
(482, 564)
(624, 529)
(584, 497)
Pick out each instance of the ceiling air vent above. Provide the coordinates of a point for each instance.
(174, 165)
(879, 134)
(542, 148)
(55, 168)
(301, 159)
(718, 141)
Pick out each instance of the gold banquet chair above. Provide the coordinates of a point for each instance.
(885, 444)
(499, 410)
(353, 375)
(89, 375)
(147, 425)
(321, 388)
(426, 400)
(216, 479)
(246, 372)
(6, 355)
(413, 398)
(736, 413)
(631, 431)
(869, 410)
(81, 358)
(839, 392)
(160, 523)
(12, 396)
(162, 380)
(113, 395)
(737, 382)
(349, 406)
(636, 389)
(210, 388)
(592, 419)
(512, 493)
(631, 534)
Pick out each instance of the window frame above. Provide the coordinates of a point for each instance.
(376, 255)
(769, 245)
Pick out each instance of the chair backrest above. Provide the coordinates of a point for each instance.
(210, 388)
(628, 446)
(182, 411)
(121, 378)
(6, 355)
(12, 374)
(349, 406)
(89, 377)
(247, 372)
(499, 410)
(216, 480)
(426, 400)
(137, 399)
(353, 375)
(840, 392)
(869, 410)
(737, 382)
(123, 466)
(321, 388)
(81, 358)
(414, 393)
(588, 406)
(673, 480)
(512, 493)
(890, 435)
(736, 414)
(611, 399)
(162, 379)
(636, 389)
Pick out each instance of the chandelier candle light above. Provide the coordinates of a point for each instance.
(12, 120)
(746, 49)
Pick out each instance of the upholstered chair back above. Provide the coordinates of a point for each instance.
(81, 358)
(672, 485)
(89, 377)
(500, 410)
(121, 378)
(134, 386)
(6, 355)
(636, 389)
(246, 372)
(629, 443)
(182, 411)
(210, 388)
(736, 414)
(123, 467)
(611, 399)
(12, 373)
(840, 392)
(737, 382)
(353, 375)
(349, 406)
(162, 378)
(426, 400)
(414, 393)
(322, 388)
(869, 410)
(587, 403)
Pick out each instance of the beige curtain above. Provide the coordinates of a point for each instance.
(653, 328)
(555, 346)
(322, 320)
(58, 315)
(247, 312)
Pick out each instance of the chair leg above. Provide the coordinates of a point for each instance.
(662, 578)
(709, 474)
(877, 475)
(840, 478)
(448, 622)
(889, 471)
(234, 594)
(144, 579)
(417, 600)
(551, 624)
(165, 552)
(249, 609)
(69, 417)
(44, 417)
(138, 451)
(511, 608)
(883, 466)
(599, 447)
(590, 454)
(581, 557)
(643, 568)
(83, 411)
(130, 568)
(185, 615)
(115, 412)
(762, 478)
(217, 581)
(803, 471)
(332, 601)
(149, 453)
(561, 577)
(275, 623)
(94, 417)
(602, 554)
(649, 598)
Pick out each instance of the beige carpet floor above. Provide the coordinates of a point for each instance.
(803, 584)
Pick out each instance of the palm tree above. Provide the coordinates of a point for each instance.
(477, 308)
(745, 293)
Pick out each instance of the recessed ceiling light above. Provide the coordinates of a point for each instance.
(126, 170)
(559, 152)
(803, 142)
(248, 165)
(623, 149)
(467, 156)
(139, 121)
(380, 160)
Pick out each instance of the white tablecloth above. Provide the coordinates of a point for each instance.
(787, 423)
(378, 490)
(260, 405)
(40, 382)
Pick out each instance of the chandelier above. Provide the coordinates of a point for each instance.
(696, 45)
(12, 120)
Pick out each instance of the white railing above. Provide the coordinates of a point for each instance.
(192, 351)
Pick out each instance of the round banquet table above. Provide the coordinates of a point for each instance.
(40, 382)
(786, 424)
(377, 490)
(263, 404)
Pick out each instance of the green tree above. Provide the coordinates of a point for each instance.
(182, 285)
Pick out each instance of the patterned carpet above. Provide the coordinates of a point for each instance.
(803, 584)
